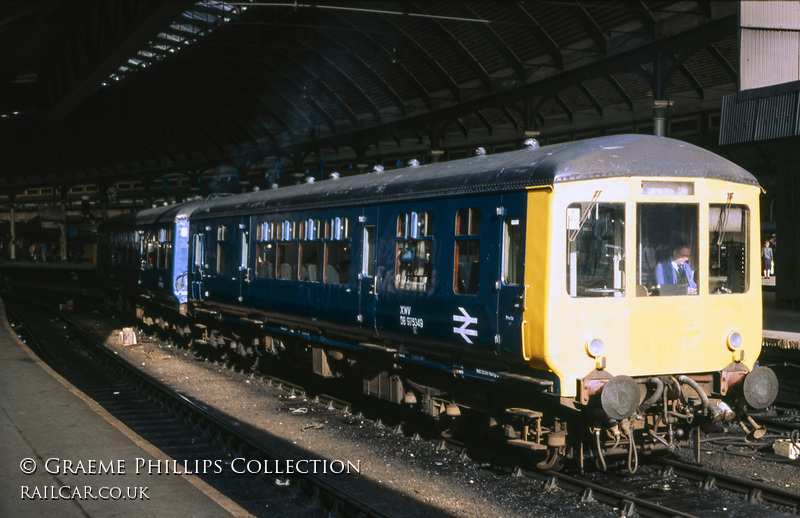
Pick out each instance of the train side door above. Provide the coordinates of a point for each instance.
(511, 288)
(198, 265)
(245, 272)
(367, 278)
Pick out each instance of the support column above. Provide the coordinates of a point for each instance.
(787, 214)
(63, 223)
(660, 117)
(12, 213)
(660, 104)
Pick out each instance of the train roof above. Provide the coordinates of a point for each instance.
(603, 157)
(164, 213)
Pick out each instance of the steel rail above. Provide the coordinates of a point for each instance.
(337, 501)
(755, 491)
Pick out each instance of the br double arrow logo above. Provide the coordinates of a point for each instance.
(466, 321)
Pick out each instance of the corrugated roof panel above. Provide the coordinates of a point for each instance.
(737, 120)
(776, 116)
(775, 14)
(768, 58)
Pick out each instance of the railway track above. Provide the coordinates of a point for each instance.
(637, 499)
(188, 433)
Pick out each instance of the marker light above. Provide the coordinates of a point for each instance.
(595, 347)
(735, 341)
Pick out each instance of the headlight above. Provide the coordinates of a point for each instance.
(595, 347)
(735, 341)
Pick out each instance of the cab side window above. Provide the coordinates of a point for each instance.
(728, 227)
(596, 249)
(667, 262)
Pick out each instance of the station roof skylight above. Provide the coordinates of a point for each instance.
(195, 23)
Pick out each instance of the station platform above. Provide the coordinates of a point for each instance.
(62, 455)
(781, 327)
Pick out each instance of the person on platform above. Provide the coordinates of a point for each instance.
(766, 260)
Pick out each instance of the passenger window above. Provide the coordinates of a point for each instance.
(337, 251)
(309, 266)
(265, 262)
(414, 251)
(513, 251)
(287, 257)
(151, 252)
(667, 249)
(596, 249)
(467, 251)
(728, 228)
(337, 262)
(165, 255)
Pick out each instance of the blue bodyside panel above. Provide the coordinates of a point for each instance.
(463, 311)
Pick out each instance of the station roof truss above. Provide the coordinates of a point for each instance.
(97, 92)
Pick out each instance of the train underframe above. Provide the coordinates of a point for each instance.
(612, 417)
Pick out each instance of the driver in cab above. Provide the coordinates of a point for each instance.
(675, 271)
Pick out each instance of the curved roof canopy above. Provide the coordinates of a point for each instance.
(95, 92)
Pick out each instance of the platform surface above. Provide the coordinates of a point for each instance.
(781, 328)
(49, 428)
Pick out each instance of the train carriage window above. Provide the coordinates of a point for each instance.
(337, 252)
(140, 246)
(199, 251)
(468, 222)
(337, 262)
(311, 253)
(414, 251)
(667, 249)
(728, 228)
(151, 251)
(287, 258)
(467, 251)
(222, 248)
(265, 262)
(164, 247)
(368, 268)
(311, 229)
(266, 250)
(244, 249)
(596, 249)
(513, 251)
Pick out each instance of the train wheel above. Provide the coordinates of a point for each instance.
(447, 426)
(554, 459)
